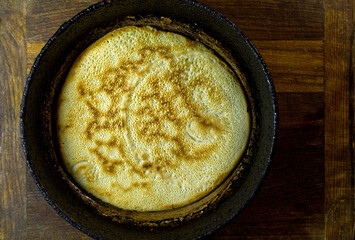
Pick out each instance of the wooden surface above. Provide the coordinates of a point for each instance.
(308, 48)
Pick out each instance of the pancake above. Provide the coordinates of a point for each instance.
(150, 120)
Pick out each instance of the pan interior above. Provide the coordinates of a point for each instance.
(147, 218)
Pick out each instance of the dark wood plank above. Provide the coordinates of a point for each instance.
(295, 66)
(352, 117)
(12, 76)
(339, 175)
(260, 20)
(274, 20)
(289, 204)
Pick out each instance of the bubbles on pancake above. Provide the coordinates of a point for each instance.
(151, 111)
(154, 114)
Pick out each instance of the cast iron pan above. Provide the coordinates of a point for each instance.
(101, 220)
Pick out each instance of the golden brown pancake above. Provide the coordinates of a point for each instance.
(149, 120)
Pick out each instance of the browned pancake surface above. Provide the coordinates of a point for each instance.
(150, 120)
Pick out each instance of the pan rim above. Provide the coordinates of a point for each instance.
(72, 21)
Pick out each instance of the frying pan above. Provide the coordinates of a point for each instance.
(98, 219)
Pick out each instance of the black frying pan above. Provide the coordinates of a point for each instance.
(96, 218)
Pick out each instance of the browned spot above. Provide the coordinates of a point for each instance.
(81, 89)
(144, 156)
(93, 109)
(137, 170)
(209, 123)
(112, 142)
(168, 95)
(147, 165)
(106, 194)
(99, 143)
(162, 51)
(88, 130)
(143, 184)
(108, 165)
(67, 126)
(90, 177)
(152, 128)
(111, 167)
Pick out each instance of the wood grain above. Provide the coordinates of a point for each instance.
(12, 78)
(33, 49)
(309, 50)
(339, 175)
(283, 191)
(44, 222)
(352, 119)
(275, 20)
(296, 66)
(45, 17)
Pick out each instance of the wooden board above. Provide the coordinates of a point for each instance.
(309, 50)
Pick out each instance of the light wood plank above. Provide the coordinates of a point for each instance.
(33, 49)
(46, 16)
(12, 162)
(43, 221)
